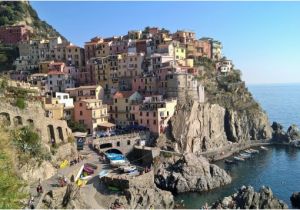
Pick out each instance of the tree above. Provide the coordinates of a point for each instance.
(76, 127)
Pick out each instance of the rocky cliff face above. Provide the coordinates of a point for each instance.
(247, 198)
(241, 126)
(198, 127)
(190, 173)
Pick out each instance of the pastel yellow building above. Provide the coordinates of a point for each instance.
(53, 108)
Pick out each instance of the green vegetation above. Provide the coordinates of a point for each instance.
(7, 56)
(76, 127)
(28, 143)
(10, 184)
(20, 103)
(228, 90)
(16, 12)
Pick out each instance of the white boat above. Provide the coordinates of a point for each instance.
(103, 173)
(254, 150)
(238, 158)
(128, 169)
(118, 162)
(245, 155)
(264, 148)
(248, 151)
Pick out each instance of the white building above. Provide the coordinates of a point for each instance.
(64, 98)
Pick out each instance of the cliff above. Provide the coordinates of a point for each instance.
(229, 114)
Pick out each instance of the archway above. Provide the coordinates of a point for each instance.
(60, 133)
(30, 122)
(51, 133)
(4, 119)
(18, 121)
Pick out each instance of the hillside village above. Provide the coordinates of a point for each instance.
(116, 83)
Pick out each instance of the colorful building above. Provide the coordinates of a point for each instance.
(154, 113)
(93, 115)
(119, 109)
(59, 81)
(14, 34)
(86, 92)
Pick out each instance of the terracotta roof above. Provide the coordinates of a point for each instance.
(123, 94)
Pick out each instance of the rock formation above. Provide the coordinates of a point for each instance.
(190, 173)
(295, 199)
(198, 127)
(247, 198)
(145, 198)
(291, 136)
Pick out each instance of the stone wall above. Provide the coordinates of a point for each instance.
(34, 115)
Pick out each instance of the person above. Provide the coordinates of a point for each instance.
(39, 189)
(52, 141)
(30, 203)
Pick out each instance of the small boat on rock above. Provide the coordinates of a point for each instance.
(254, 150)
(245, 155)
(264, 148)
(238, 158)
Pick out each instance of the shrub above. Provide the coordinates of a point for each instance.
(76, 127)
(27, 141)
(20, 103)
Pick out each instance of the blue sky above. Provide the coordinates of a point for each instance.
(262, 38)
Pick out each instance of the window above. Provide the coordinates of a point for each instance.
(116, 100)
(147, 122)
(141, 113)
(167, 113)
(126, 100)
(154, 122)
(80, 104)
(118, 144)
(147, 114)
(128, 142)
(116, 115)
(141, 121)
(154, 114)
(80, 113)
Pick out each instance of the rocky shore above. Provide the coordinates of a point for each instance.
(247, 198)
(190, 173)
(295, 199)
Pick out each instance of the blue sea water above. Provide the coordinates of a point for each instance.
(279, 167)
(280, 101)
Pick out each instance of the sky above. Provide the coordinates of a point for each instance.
(262, 38)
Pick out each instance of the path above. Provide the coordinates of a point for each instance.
(48, 183)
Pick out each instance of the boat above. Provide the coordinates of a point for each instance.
(103, 173)
(112, 188)
(264, 148)
(128, 169)
(245, 155)
(248, 151)
(118, 162)
(254, 150)
(134, 173)
(114, 156)
(88, 170)
(239, 158)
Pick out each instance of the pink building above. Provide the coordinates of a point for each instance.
(147, 84)
(57, 66)
(92, 114)
(14, 34)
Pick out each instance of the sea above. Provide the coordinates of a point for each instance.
(278, 167)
